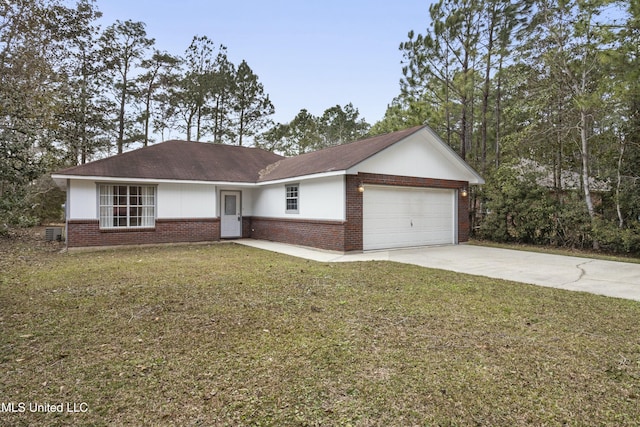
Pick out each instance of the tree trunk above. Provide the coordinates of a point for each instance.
(447, 104)
(585, 171)
(585, 166)
(123, 99)
(241, 129)
(464, 101)
(619, 182)
(199, 124)
(147, 116)
(216, 124)
(498, 110)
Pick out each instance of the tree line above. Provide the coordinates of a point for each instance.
(542, 98)
(72, 91)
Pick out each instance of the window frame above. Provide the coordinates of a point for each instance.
(292, 195)
(126, 206)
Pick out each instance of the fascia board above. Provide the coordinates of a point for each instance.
(440, 145)
(62, 178)
(474, 177)
(302, 178)
(57, 177)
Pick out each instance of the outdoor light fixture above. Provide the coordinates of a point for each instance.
(464, 192)
(360, 188)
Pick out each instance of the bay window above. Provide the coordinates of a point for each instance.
(127, 206)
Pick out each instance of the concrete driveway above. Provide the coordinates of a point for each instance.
(614, 279)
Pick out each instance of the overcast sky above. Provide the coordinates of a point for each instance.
(309, 54)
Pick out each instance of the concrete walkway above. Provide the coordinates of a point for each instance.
(614, 279)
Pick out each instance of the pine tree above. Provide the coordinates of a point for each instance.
(252, 107)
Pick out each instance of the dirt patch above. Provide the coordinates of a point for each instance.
(21, 245)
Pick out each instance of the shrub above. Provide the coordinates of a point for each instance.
(572, 222)
(615, 239)
(517, 209)
(31, 204)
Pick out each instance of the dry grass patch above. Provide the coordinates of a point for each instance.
(230, 335)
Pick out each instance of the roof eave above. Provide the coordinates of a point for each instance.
(62, 178)
(417, 129)
(302, 177)
(474, 177)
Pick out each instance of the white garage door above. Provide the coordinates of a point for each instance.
(397, 217)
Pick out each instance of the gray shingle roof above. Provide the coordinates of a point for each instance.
(337, 158)
(191, 161)
(181, 160)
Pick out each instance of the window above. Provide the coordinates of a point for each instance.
(291, 197)
(229, 204)
(127, 206)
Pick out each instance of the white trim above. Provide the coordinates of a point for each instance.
(302, 177)
(180, 181)
(463, 171)
(443, 145)
(106, 221)
(295, 185)
(150, 180)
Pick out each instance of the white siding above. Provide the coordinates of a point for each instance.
(173, 200)
(247, 201)
(186, 200)
(82, 200)
(268, 201)
(413, 157)
(319, 198)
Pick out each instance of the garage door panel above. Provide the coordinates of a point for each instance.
(402, 217)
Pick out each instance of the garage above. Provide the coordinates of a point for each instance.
(400, 217)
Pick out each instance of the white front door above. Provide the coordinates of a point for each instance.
(230, 214)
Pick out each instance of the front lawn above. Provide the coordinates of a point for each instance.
(224, 334)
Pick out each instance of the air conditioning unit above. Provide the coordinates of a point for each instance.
(53, 233)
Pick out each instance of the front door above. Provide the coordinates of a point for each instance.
(230, 218)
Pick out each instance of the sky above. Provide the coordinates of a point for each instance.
(311, 54)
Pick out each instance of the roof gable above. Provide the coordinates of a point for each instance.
(191, 161)
(336, 158)
(421, 154)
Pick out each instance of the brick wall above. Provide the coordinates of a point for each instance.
(464, 220)
(409, 181)
(81, 233)
(340, 236)
(353, 226)
(347, 236)
(318, 234)
(246, 227)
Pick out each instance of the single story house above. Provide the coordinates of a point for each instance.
(401, 189)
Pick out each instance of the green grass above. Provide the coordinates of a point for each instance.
(230, 335)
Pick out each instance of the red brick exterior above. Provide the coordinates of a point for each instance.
(347, 236)
(343, 236)
(82, 233)
(327, 235)
(353, 225)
